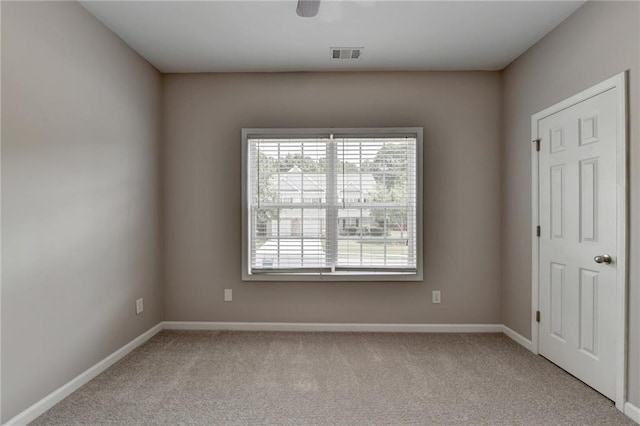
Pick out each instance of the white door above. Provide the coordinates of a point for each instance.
(577, 215)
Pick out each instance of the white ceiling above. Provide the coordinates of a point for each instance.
(230, 36)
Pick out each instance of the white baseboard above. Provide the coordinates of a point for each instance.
(337, 327)
(518, 338)
(67, 389)
(632, 412)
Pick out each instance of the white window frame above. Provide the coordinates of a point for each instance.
(248, 133)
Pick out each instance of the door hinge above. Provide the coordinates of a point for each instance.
(537, 142)
(538, 231)
(537, 316)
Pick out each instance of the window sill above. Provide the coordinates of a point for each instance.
(335, 276)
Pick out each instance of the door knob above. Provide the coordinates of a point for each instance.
(603, 258)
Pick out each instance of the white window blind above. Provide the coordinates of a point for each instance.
(332, 203)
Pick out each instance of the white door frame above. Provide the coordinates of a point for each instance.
(619, 83)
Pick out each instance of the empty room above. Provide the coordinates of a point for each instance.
(320, 212)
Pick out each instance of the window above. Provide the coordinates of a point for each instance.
(336, 204)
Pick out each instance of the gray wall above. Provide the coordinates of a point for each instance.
(460, 115)
(600, 40)
(80, 198)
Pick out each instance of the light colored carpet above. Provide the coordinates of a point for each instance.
(238, 378)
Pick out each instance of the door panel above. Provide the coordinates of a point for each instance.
(589, 200)
(557, 201)
(577, 212)
(557, 300)
(589, 311)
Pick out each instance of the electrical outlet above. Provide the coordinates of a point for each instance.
(228, 295)
(435, 296)
(139, 306)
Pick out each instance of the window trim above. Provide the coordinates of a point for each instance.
(338, 275)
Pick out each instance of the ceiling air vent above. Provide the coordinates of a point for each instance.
(346, 52)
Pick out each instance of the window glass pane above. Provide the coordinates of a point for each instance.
(364, 187)
(289, 238)
(375, 170)
(375, 237)
(289, 170)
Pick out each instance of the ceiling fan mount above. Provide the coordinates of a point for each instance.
(308, 8)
